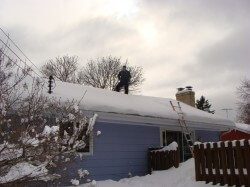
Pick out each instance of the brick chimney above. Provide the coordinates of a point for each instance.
(186, 95)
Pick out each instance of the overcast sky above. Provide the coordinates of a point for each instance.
(205, 44)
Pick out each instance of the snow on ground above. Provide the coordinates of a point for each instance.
(21, 170)
(50, 130)
(184, 176)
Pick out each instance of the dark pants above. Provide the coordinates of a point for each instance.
(120, 85)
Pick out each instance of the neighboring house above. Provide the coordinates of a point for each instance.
(241, 131)
(129, 125)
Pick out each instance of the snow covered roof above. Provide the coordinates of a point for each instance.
(116, 106)
(243, 127)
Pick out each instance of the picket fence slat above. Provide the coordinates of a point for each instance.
(215, 160)
(225, 164)
(239, 163)
(247, 160)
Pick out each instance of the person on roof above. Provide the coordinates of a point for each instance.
(124, 80)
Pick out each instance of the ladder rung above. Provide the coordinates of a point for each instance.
(176, 106)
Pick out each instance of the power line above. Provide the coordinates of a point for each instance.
(18, 57)
(15, 63)
(19, 49)
(21, 67)
(9, 39)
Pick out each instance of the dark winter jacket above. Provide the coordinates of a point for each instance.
(124, 76)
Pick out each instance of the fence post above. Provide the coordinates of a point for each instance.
(240, 163)
(209, 163)
(223, 164)
(247, 160)
(176, 158)
(203, 162)
(197, 163)
(215, 159)
(149, 161)
(153, 160)
(230, 162)
(162, 164)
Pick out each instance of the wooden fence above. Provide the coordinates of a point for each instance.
(223, 162)
(162, 160)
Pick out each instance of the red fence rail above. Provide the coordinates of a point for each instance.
(223, 162)
(162, 160)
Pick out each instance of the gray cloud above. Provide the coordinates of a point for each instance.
(231, 53)
(200, 43)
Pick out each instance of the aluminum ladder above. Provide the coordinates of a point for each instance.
(183, 125)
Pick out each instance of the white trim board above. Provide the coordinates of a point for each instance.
(170, 124)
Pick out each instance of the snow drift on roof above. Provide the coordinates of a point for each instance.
(101, 100)
(243, 127)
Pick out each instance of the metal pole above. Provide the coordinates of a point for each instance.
(50, 84)
(227, 111)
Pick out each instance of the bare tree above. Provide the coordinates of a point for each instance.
(63, 68)
(35, 130)
(102, 73)
(243, 92)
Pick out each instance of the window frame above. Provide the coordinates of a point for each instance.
(91, 146)
(162, 129)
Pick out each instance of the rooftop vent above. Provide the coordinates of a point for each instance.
(180, 89)
(189, 88)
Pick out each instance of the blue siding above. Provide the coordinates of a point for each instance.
(207, 136)
(120, 149)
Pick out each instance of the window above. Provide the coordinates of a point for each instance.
(66, 131)
(167, 137)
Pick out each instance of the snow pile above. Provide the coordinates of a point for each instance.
(83, 173)
(23, 169)
(98, 133)
(171, 147)
(9, 151)
(31, 141)
(243, 127)
(50, 130)
(219, 143)
(75, 182)
(91, 123)
(184, 176)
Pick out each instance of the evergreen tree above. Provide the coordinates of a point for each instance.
(203, 104)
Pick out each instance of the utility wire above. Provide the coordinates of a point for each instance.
(18, 57)
(21, 67)
(15, 63)
(19, 49)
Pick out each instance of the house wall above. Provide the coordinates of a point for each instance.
(207, 136)
(119, 150)
(234, 135)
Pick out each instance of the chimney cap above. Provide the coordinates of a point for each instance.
(180, 89)
(189, 87)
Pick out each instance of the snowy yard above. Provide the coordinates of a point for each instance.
(184, 176)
